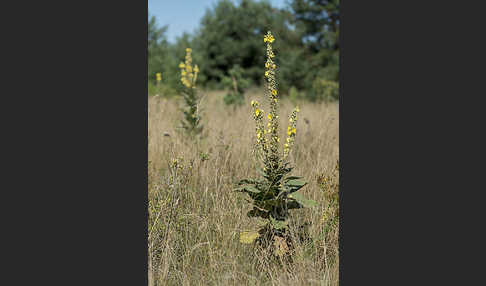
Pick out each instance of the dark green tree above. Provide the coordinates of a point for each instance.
(231, 34)
(157, 48)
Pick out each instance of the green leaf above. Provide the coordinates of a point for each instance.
(248, 189)
(251, 189)
(295, 183)
(278, 224)
(292, 178)
(303, 201)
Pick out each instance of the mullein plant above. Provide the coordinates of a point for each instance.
(276, 192)
(192, 117)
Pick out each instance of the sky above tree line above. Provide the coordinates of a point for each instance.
(185, 15)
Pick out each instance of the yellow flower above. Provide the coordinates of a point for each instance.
(267, 65)
(266, 73)
(297, 109)
(188, 50)
(294, 130)
(286, 145)
(196, 69)
(288, 140)
(269, 116)
(274, 91)
(189, 68)
(257, 112)
(182, 65)
(259, 135)
(159, 76)
(274, 66)
(254, 103)
(183, 73)
(268, 38)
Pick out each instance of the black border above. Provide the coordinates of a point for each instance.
(77, 164)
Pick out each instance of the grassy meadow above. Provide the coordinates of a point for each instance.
(195, 217)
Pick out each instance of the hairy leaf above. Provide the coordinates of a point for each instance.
(303, 201)
(248, 236)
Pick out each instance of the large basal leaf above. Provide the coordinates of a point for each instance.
(295, 185)
(248, 188)
(248, 236)
(292, 178)
(302, 200)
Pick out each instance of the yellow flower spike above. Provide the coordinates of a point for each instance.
(268, 38)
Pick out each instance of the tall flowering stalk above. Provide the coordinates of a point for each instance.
(192, 117)
(276, 193)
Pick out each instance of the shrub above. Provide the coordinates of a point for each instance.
(237, 85)
(326, 90)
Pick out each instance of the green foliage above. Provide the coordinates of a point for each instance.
(295, 95)
(158, 48)
(325, 90)
(237, 85)
(230, 35)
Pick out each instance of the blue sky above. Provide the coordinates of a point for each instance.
(184, 15)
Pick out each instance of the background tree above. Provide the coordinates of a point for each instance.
(157, 48)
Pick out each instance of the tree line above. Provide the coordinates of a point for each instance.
(230, 35)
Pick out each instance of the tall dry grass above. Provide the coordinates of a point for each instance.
(195, 217)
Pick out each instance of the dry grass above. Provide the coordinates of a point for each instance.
(194, 216)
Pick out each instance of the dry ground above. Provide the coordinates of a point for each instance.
(194, 216)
